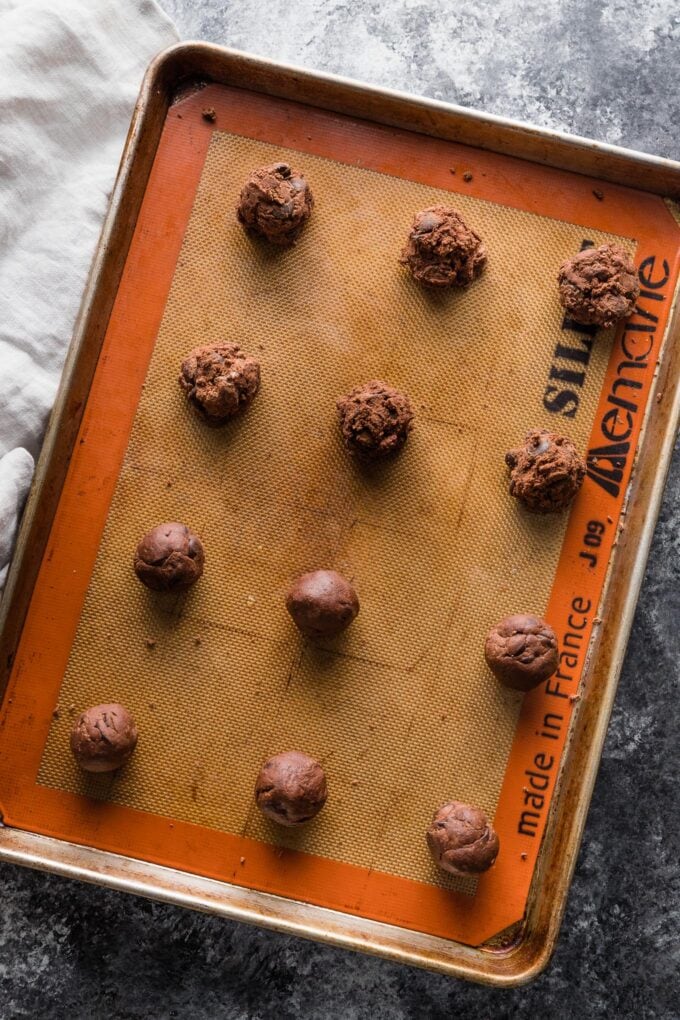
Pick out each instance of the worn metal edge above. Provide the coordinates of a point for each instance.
(80, 362)
(580, 767)
(139, 878)
(657, 174)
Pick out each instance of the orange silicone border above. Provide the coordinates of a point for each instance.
(97, 457)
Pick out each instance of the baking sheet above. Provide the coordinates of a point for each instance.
(433, 542)
(402, 710)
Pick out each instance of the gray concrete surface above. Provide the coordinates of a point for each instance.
(609, 70)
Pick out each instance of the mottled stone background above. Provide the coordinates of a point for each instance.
(610, 70)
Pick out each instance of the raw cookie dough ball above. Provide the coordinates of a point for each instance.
(461, 839)
(375, 420)
(275, 203)
(322, 603)
(220, 381)
(103, 738)
(599, 285)
(521, 651)
(169, 558)
(545, 473)
(441, 250)
(291, 788)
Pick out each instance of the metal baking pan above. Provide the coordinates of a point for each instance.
(400, 148)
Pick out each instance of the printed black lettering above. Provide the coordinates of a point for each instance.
(564, 402)
(551, 721)
(639, 327)
(633, 384)
(645, 273)
(608, 464)
(586, 329)
(537, 780)
(528, 821)
(611, 420)
(609, 477)
(579, 354)
(645, 314)
(632, 365)
(549, 735)
(630, 354)
(572, 641)
(625, 405)
(552, 687)
(565, 375)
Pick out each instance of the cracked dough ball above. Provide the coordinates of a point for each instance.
(599, 285)
(521, 651)
(291, 788)
(219, 381)
(461, 840)
(322, 603)
(375, 420)
(545, 473)
(103, 738)
(275, 203)
(170, 557)
(442, 250)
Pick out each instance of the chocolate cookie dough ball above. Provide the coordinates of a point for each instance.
(462, 840)
(219, 381)
(375, 420)
(521, 651)
(545, 473)
(441, 250)
(169, 558)
(103, 738)
(599, 285)
(291, 788)
(275, 203)
(322, 603)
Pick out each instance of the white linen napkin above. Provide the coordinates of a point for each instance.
(70, 72)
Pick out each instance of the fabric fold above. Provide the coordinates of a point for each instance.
(70, 71)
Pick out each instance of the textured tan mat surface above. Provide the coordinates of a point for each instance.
(401, 709)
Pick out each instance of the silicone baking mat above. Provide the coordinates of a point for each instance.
(401, 709)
